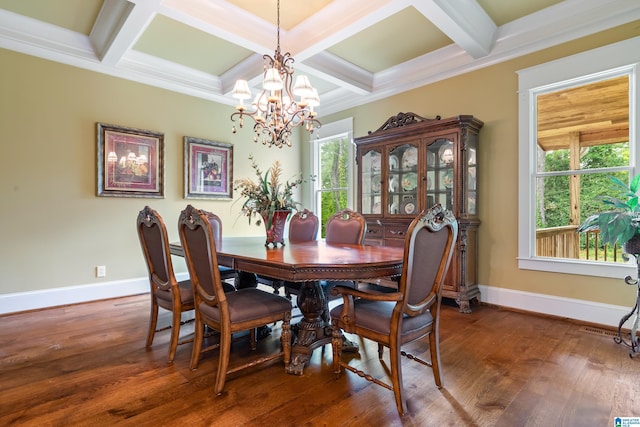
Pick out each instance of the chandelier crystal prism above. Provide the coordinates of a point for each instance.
(275, 111)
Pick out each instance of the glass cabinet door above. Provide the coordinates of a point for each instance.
(371, 182)
(402, 197)
(472, 168)
(440, 173)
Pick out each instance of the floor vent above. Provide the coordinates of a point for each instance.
(598, 331)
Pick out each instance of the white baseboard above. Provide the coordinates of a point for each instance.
(33, 300)
(603, 314)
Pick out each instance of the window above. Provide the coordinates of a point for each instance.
(333, 169)
(571, 141)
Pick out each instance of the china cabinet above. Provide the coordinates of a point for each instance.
(411, 163)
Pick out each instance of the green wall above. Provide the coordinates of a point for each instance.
(54, 230)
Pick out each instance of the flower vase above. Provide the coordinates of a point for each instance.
(275, 227)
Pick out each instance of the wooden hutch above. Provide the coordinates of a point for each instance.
(409, 164)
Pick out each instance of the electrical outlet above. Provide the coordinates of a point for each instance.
(101, 271)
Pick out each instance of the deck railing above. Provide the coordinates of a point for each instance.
(564, 242)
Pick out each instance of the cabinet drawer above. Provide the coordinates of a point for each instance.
(374, 231)
(395, 232)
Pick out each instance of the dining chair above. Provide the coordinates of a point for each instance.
(346, 226)
(349, 227)
(216, 225)
(166, 291)
(303, 227)
(245, 309)
(413, 312)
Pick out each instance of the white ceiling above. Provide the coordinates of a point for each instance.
(354, 51)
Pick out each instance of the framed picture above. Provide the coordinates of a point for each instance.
(208, 169)
(130, 162)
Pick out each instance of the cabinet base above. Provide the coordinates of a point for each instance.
(463, 298)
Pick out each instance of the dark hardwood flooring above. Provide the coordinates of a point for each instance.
(86, 364)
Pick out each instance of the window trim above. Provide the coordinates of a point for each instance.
(594, 64)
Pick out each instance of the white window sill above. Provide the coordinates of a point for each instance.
(584, 268)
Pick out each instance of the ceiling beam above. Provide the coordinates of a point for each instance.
(463, 21)
(119, 25)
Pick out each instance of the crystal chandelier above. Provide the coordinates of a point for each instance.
(275, 110)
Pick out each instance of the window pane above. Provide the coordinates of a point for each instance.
(331, 202)
(559, 212)
(584, 116)
(333, 164)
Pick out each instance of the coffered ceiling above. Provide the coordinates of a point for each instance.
(354, 51)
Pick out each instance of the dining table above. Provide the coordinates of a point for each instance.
(309, 263)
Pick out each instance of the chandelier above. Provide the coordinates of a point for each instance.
(275, 110)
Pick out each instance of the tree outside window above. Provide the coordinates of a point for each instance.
(333, 177)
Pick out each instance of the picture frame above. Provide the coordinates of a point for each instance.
(208, 169)
(130, 162)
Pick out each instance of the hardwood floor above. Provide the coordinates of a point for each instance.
(87, 365)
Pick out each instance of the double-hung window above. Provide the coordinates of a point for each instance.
(577, 129)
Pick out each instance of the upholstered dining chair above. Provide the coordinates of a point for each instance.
(166, 291)
(411, 313)
(245, 309)
(216, 225)
(346, 226)
(303, 227)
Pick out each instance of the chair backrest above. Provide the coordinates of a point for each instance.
(152, 233)
(428, 251)
(216, 226)
(346, 226)
(303, 226)
(198, 243)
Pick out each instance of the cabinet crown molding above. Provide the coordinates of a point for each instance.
(403, 119)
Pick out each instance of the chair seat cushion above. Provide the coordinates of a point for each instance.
(248, 304)
(376, 316)
(186, 293)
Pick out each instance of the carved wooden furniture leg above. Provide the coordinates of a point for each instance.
(313, 330)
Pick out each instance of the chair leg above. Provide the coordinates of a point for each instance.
(252, 338)
(175, 334)
(434, 348)
(223, 361)
(396, 378)
(285, 339)
(153, 320)
(336, 345)
(197, 343)
(380, 350)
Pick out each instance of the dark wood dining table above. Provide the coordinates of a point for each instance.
(308, 263)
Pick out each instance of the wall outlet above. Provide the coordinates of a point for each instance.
(101, 271)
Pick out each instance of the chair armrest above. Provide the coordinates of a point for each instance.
(369, 295)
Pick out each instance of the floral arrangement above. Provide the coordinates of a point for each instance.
(268, 195)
